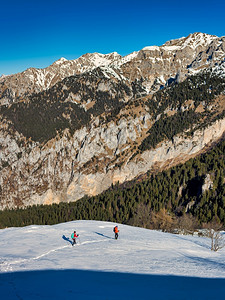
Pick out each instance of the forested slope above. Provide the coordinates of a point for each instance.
(158, 201)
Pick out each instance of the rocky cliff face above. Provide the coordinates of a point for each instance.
(67, 168)
(77, 135)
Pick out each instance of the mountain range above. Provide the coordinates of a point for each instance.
(79, 126)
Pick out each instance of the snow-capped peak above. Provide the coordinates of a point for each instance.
(113, 55)
(125, 59)
(60, 61)
(3, 76)
(96, 59)
(151, 48)
(193, 40)
(198, 39)
(99, 59)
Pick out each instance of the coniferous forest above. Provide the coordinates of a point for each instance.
(161, 201)
(164, 200)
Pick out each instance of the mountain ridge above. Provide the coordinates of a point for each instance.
(37, 80)
(110, 123)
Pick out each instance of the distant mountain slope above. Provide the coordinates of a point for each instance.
(187, 196)
(156, 66)
(108, 123)
(15, 87)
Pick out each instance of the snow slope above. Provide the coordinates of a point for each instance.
(38, 262)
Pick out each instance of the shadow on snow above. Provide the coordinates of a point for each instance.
(81, 284)
(109, 237)
(206, 261)
(67, 239)
(203, 243)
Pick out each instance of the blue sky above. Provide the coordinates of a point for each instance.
(36, 33)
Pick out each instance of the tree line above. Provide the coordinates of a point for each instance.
(160, 200)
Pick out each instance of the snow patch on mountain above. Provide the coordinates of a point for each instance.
(193, 41)
(98, 59)
(60, 61)
(219, 69)
(2, 77)
(110, 72)
(125, 59)
(197, 51)
(151, 48)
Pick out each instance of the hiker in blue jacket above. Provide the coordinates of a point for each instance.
(74, 235)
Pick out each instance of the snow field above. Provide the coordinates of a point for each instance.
(168, 266)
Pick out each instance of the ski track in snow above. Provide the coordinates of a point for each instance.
(98, 267)
(7, 264)
(137, 250)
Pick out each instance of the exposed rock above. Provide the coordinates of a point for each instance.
(99, 119)
(44, 175)
(155, 65)
(208, 183)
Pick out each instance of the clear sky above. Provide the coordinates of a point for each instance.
(36, 33)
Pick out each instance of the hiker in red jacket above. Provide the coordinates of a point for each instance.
(74, 236)
(116, 230)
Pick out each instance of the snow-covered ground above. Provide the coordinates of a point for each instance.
(39, 262)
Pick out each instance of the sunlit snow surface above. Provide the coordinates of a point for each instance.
(39, 262)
